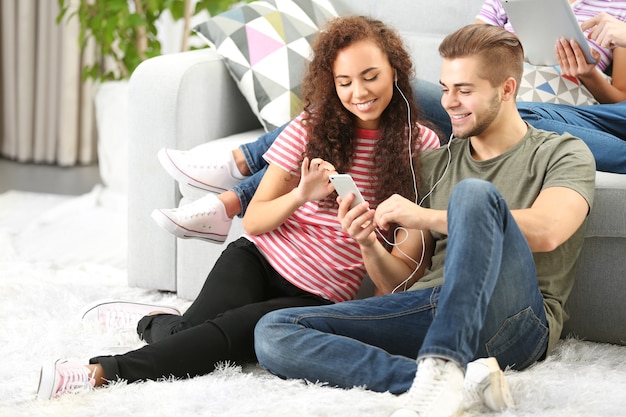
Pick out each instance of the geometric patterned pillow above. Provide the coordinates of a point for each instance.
(265, 46)
(548, 85)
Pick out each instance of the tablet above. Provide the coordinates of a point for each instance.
(539, 23)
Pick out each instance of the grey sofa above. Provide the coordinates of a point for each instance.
(184, 100)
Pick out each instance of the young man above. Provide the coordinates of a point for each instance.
(503, 206)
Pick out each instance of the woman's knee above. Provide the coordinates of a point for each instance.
(154, 328)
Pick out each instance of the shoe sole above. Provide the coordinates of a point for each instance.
(166, 309)
(180, 232)
(47, 380)
(501, 394)
(171, 168)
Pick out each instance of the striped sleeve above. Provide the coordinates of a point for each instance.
(289, 146)
(428, 139)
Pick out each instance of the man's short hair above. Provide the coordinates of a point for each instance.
(500, 51)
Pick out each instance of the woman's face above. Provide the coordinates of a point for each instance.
(364, 82)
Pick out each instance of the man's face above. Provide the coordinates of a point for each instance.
(471, 102)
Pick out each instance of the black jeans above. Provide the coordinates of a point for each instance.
(217, 327)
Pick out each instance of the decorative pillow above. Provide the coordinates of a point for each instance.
(265, 46)
(548, 85)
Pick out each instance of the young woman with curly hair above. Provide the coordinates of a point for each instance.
(295, 251)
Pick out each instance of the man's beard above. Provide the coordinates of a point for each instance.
(484, 119)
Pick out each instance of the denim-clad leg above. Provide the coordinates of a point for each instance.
(490, 305)
(428, 97)
(253, 154)
(602, 127)
(246, 188)
(490, 278)
(253, 151)
(371, 342)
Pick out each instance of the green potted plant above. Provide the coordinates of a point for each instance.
(124, 34)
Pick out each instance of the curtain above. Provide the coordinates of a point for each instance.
(46, 111)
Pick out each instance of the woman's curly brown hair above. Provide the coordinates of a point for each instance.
(331, 127)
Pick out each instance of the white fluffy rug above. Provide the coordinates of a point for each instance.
(59, 253)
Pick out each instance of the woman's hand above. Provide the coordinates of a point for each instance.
(606, 30)
(314, 180)
(572, 59)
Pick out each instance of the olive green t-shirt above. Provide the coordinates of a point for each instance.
(540, 160)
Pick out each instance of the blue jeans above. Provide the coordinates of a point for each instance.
(488, 305)
(253, 154)
(602, 127)
(428, 97)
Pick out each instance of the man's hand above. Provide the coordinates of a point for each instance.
(358, 222)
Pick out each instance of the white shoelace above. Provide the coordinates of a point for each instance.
(119, 319)
(426, 386)
(76, 379)
(198, 208)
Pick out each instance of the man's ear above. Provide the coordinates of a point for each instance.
(509, 89)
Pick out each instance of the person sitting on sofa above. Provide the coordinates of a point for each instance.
(506, 205)
(602, 127)
(358, 113)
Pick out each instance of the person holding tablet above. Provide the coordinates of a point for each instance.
(601, 126)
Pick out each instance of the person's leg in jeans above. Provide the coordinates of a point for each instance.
(374, 342)
(210, 217)
(253, 155)
(428, 97)
(487, 284)
(602, 127)
(253, 151)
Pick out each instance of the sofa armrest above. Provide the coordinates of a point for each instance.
(176, 101)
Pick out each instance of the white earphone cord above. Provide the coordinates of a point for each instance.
(413, 175)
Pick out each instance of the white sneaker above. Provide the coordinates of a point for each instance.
(437, 390)
(486, 384)
(61, 377)
(210, 172)
(119, 314)
(204, 219)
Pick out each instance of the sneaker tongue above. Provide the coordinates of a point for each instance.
(75, 380)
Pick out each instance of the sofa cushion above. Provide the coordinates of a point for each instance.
(547, 84)
(608, 215)
(265, 46)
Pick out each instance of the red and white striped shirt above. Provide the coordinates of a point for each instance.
(309, 249)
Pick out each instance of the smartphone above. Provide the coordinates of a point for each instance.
(344, 184)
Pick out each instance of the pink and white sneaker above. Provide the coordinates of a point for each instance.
(119, 314)
(215, 173)
(203, 219)
(61, 377)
